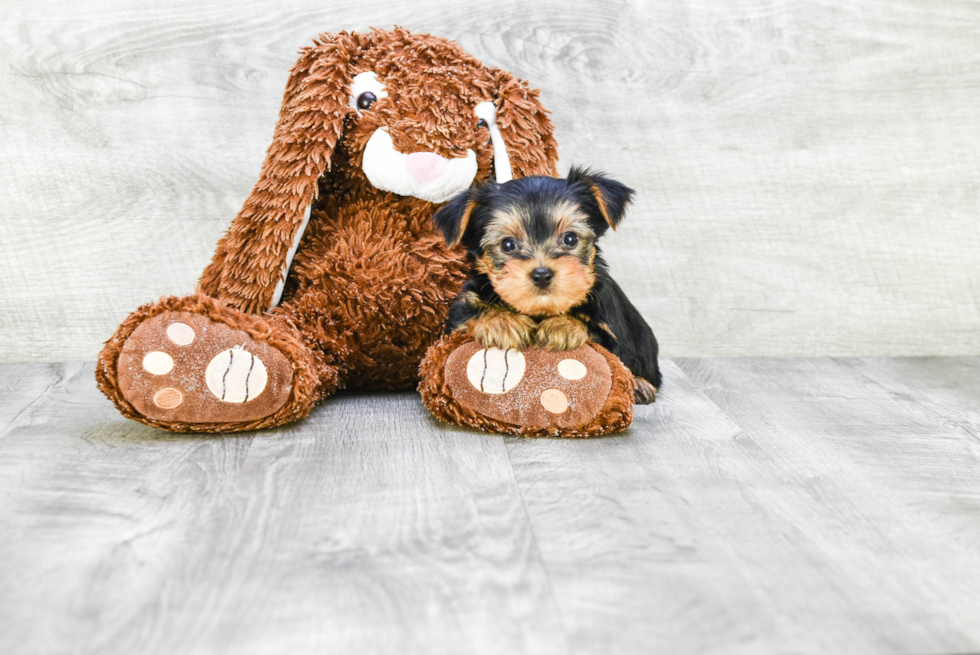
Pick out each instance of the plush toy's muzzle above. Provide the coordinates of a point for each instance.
(423, 175)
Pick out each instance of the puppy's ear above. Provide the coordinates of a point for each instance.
(453, 218)
(609, 196)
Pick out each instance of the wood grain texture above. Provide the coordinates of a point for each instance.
(807, 172)
(765, 506)
(873, 495)
(366, 529)
(760, 506)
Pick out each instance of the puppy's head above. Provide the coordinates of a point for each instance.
(535, 237)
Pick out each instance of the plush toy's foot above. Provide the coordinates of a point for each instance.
(578, 393)
(193, 364)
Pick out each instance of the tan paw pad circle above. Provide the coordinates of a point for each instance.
(181, 334)
(554, 401)
(236, 376)
(168, 398)
(492, 370)
(572, 369)
(158, 363)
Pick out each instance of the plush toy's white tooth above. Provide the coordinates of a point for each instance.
(501, 159)
(492, 370)
(236, 376)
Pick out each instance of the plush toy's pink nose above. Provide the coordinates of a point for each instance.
(425, 166)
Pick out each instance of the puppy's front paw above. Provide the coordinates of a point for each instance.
(561, 333)
(645, 393)
(501, 329)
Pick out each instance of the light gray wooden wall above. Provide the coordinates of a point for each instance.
(808, 172)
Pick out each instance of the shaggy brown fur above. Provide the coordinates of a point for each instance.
(370, 285)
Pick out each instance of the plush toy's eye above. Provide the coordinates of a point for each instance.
(482, 123)
(569, 239)
(365, 100)
(365, 90)
(508, 245)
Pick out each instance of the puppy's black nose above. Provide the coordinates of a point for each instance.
(542, 277)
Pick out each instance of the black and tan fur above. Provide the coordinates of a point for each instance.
(538, 278)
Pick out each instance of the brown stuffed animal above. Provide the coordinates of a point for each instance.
(331, 275)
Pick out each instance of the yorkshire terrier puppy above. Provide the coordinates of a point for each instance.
(538, 278)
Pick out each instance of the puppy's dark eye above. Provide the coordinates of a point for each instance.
(569, 239)
(508, 245)
(482, 123)
(365, 100)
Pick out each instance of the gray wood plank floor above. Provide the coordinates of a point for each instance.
(761, 506)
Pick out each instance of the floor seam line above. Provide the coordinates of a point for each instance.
(537, 547)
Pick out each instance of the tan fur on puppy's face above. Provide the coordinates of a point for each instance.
(569, 288)
(539, 244)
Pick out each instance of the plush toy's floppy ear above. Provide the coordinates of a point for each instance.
(253, 257)
(525, 127)
(609, 196)
(453, 218)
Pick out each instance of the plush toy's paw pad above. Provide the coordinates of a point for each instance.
(183, 367)
(492, 370)
(535, 389)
